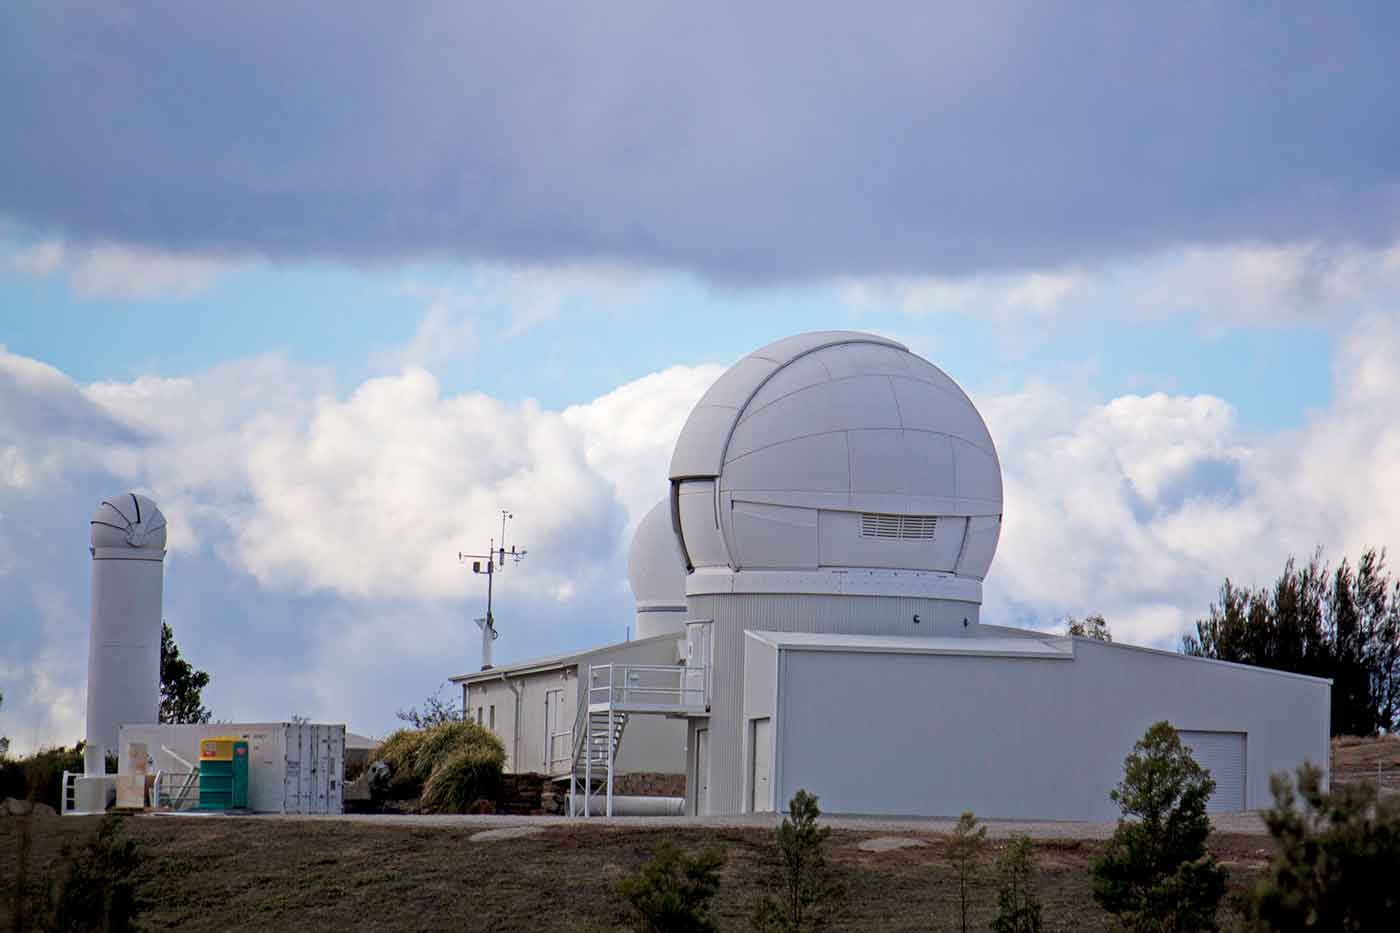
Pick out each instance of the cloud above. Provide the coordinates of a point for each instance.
(120, 272)
(314, 535)
(1251, 284)
(300, 518)
(513, 300)
(629, 433)
(899, 139)
(1140, 506)
(1001, 296)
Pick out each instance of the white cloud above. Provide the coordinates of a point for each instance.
(121, 272)
(1043, 292)
(314, 536)
(512, 300)
(1250, 284)
(1139, 507)
(628, 434)
(350, 508)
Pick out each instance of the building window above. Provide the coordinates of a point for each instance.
(478, 715)
(493, 717)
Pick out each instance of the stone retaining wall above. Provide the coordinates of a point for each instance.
(649, 784)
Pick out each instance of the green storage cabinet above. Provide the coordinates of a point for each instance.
(223, 773)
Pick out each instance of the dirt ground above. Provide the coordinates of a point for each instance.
(231, 873)
(425, 873)
(1366, 759)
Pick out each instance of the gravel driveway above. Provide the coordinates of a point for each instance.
(1242, 823)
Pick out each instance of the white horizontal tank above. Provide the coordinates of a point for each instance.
(128, 553)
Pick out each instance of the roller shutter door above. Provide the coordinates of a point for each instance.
(1222, 753)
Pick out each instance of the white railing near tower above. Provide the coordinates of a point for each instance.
(615, 693)
(639, 688)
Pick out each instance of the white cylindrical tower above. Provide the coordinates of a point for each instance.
(657, 575)
(128, 554)
(830, 482)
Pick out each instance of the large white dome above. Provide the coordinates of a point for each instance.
(837, 450)
(654, 565)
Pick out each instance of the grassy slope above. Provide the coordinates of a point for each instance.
(227, 873)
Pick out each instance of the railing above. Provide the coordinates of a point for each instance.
(649, 685)
(68, 796)
(68, 802)
(175, 790)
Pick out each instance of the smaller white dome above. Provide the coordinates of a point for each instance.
(654, 565)
(128, 520)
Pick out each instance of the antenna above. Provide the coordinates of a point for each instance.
(491, 563)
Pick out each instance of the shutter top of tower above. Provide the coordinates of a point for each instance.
(129, 520)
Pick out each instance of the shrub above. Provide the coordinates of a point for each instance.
(806, 894)
(1018, 909)
(92, 888)
(1155, 873)
(1335, 859)
(400, 752)
(39, 776)
(672, 892)
(399, 749)
(471, 754)
(964, 849)
(466, 775)
(439, 742)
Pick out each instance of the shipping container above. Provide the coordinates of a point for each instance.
(293, 767)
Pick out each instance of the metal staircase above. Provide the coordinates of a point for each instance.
(595, 752)
(614, 693)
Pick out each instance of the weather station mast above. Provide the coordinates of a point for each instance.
(494, 561)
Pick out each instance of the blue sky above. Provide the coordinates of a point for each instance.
(351, 320)
(333, 294)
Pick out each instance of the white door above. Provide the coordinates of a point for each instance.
(702, 772)
(761, 757)
(697, 663)
(1223, 755)
(553, 723)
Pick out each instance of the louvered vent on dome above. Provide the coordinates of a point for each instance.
(905, 527)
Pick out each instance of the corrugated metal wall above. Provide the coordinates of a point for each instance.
(732, 615)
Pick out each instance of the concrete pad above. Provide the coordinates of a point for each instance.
(509, 832)
(890, 843)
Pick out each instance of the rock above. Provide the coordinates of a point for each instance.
(509, 832)
(890, 843)
(13, 807)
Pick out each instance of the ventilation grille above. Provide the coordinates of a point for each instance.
(901, 527)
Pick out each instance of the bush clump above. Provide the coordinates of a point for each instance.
(38, 776)
(463, 776)
(441, 742)
(400, 753)
(672, 892)
(1336, 857)
(449, 766)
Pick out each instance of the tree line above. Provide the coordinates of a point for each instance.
(1342, 624)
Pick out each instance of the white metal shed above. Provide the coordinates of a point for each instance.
(1008, 727)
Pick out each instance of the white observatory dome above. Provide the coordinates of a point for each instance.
(837, 451)
(657, 574)
(128, 520)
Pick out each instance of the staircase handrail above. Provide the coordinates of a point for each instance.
(622, 690)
